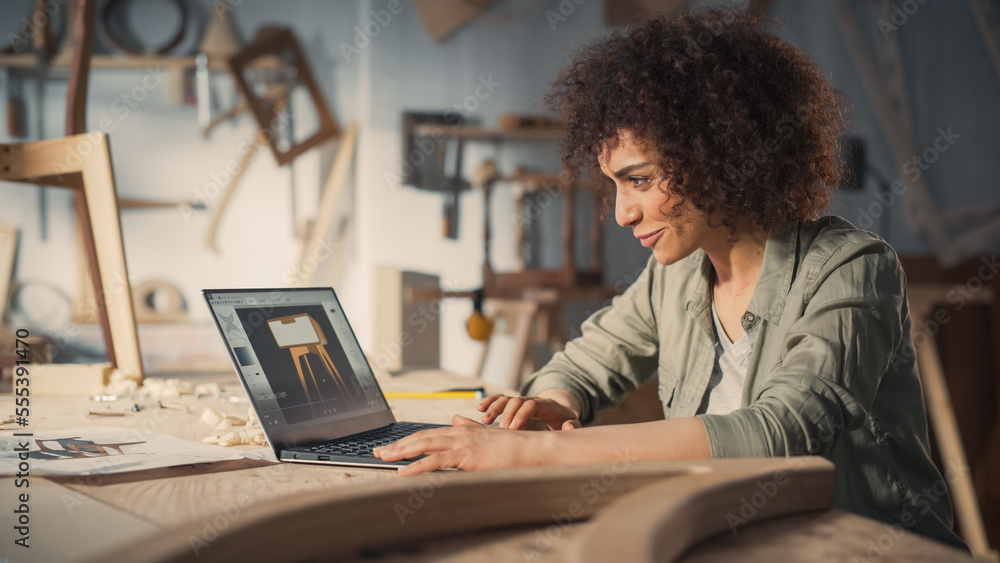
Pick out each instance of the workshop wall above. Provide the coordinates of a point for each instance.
(485, 69)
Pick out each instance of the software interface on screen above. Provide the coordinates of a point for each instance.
(299, 359)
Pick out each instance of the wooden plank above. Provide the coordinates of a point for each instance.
(407, 333)
(406, 509)
(658, 522)
(69, 379)
(95, 526)
(485, 134)
(967, 214)
(946, 433)
(336, 184)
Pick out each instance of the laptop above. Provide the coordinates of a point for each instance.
(307, 378)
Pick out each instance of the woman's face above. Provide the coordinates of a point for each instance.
(643, 203)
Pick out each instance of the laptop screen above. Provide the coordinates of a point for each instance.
(298, 357)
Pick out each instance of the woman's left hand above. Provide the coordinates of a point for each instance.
(466, 445)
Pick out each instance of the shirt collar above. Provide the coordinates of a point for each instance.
(776, 273)
(773, 282)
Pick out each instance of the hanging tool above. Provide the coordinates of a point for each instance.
(453, 190)
(479, 326)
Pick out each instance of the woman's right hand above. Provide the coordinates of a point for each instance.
(528, 413)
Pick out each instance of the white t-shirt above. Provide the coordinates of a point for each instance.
(725, 387)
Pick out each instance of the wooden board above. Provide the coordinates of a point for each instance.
(945, 427)
(50, 507)
(231, 496)
(658, 522)
(407, 333)
(439, 504)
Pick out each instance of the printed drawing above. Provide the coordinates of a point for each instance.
(75, 448)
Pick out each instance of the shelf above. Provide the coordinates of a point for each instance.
(485, 134)
(30, 60)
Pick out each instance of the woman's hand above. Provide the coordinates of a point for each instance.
(528, 413)
(467, 445)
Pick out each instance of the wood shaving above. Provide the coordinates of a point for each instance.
(233, 430)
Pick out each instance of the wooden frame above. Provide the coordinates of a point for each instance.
(566, 275)
(269, 43)
(380, 514)
(83, 163)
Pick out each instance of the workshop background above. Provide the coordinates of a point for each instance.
(374, 61)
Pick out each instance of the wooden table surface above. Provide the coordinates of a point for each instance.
(80, 518)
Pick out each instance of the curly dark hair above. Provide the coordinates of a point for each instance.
(745, 126)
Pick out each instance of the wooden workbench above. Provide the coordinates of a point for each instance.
(82, 518)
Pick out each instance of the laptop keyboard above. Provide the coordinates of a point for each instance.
(360, 445)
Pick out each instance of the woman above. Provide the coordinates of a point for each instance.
(774, 332)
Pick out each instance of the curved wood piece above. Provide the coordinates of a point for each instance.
(213, 225)
(82, 33)
(947, 437)
(414, 508)
(658, 522)
(332, 192)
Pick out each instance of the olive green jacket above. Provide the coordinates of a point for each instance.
(832, 371)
